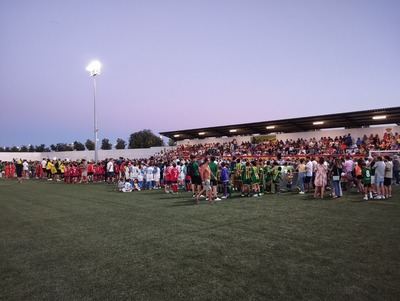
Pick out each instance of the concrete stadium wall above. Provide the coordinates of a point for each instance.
(355, 133)
(88, 155)
(239, 139)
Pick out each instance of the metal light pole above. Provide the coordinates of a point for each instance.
(94, 69)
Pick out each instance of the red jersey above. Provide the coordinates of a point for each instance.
(174, 174)
(167, 175)
(67, 171)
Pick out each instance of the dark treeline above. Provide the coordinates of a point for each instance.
(141, 139)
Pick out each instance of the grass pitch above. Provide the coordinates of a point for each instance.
(88, 242)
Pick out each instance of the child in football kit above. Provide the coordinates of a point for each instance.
(366, 176)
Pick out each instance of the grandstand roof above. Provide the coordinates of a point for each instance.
(355, 119)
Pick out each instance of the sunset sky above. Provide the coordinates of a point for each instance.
(170, 65)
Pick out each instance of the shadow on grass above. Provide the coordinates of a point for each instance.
(183, 203)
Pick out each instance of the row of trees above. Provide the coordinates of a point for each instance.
(141, 139)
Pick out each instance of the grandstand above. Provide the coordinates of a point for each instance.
(357, 123)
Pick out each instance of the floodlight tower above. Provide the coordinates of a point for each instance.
(94, 69)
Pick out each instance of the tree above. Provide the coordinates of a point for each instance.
(31, 148)
(78, 146)
(144, 139)
(7, 149)
(61, 147)
(105, 144)
(15, 149)
(40, 148)
(24, 149)
(89, 144)
(120, 144)
(171, 142)
(2, 149)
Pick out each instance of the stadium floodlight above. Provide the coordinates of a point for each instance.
(233, 131)
(177, 135)
(270, 127)
(94, 68)
(379, 117)
(202, 133)
(318, 122)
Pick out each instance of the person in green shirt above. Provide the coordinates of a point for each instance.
(255, 179)
(268, 176)
(194, 174)
(276, 178)
(237, 175)
(214, 178)
(246, 179)
(261, 176)
(366, 176)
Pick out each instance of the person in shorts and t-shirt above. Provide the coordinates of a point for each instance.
(214, 178)
(387, 181)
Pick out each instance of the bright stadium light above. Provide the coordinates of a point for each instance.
(94, 68)
(379, 117)
(202, 133)
(177, 135)
(233, 131)
(318, 123)
(270, 127)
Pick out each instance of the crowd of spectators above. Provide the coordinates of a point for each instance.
(249, 168)
(339, 145)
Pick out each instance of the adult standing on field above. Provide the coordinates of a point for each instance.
(205, 174)
(193, 168)
(110, 171)
(388, 177)
(379, 177)
(18, 169)
(309, 174)
(396, 170)
(348, 168)
(214, 178)
(25, 169)
(320, 178)
(44, 164)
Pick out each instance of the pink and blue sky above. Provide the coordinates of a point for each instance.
(170, 65)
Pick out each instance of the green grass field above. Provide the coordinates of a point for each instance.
(88, 242)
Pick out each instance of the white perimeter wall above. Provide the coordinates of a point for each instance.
(140, 153)
(148, 152)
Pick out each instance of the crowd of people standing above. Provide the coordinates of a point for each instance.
(215, 171)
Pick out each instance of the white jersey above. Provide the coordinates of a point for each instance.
(140, 175)
(44, 163)
(149, 173)
(127, 173)
(127, 187)
(309, 169)
(110, 166)
(182, 173)
(156, 173)
(25, 166)
(134, 172)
